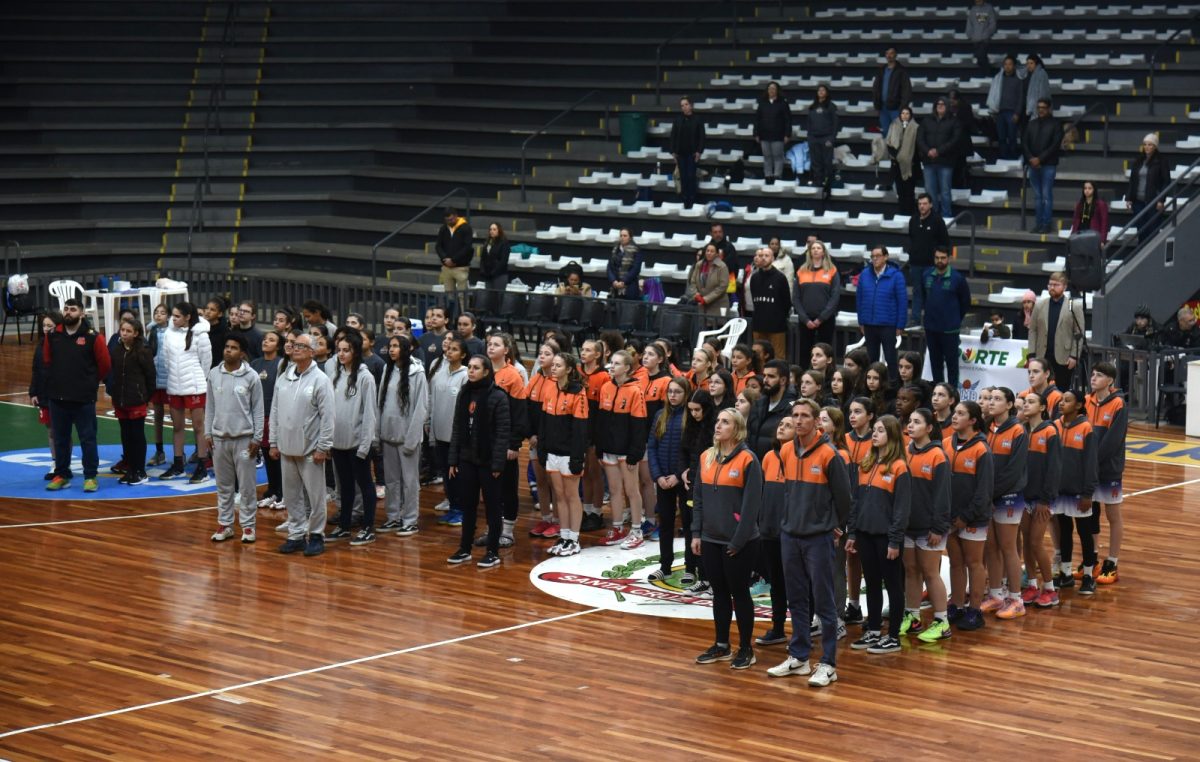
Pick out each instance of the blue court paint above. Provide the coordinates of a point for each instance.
(22, 472)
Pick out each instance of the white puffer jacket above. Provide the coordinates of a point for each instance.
(187, 369)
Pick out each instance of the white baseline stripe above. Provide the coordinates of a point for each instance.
(14, 394)
(301, 673)
(1163, 487)
(105, 518)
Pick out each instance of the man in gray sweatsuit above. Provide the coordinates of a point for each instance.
(301, 438)
(233, 426)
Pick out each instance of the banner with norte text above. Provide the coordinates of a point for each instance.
(1000, 362)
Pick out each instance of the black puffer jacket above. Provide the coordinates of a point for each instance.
(773, 121)
(481, 426)
(131, 382)
(943, 134)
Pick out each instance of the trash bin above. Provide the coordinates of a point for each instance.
(633, 131)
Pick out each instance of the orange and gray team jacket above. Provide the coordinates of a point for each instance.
(739, 382)
(770, 515)
(564, 423)
(884, 499)
(508, 379)
(970, 480)
(1079, 464)
(929, 508)
(725, 506)
(1010, 448)
(1109, 420)
(535, 392)
(1053, 397)
(1044, 464)
(817, 488)
(593, 382)
(621, 424)
(654, 390)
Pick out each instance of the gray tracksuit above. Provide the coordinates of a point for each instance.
(354, 413)
(301, 424)
(400, 434)
(233, 419)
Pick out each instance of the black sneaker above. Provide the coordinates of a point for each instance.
(48, 475)
(1087, 585)
(157, 459)
(199, 475)
(174, 471)
(315, 546)
(388, 527)
(955, 613)
(365, 536)
(744, 660)
(459, 557)
(868, 639)
(591, 522)
(885, 645)
(481, 540)
(119, 467)
(488, 561)
(972, 619)
(771, 637)
(715, 653)
(334, 535)
(292, 546)
(853, 614)
(408, 530)
(141, 477)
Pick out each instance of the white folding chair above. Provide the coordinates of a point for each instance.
(730, 333)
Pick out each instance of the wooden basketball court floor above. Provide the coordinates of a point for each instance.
(126, 634)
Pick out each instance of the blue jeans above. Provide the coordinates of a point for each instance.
(943, 355)
(882, 338)
(886, 117)
(808, 566)
(82, 417)
(1006, 134)
(687, 178)
(917, 275)
(1042, 180)
(937, 185)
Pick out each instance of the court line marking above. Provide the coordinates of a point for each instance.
(105, 518)
(14, 394)
(300, 673)
(1160, 488)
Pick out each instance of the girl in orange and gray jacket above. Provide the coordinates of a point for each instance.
(725, 534)
(1077, 484)
(970, 512)
(562, 444)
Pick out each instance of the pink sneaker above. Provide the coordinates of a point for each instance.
(538, 529)
(633, 540)
(1012, 609)
(615, 536)
(991, 603)
(551, 531)
(1048, 599)
(1030, 594)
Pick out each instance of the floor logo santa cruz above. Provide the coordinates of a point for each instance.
(22, 472)
(615, 579)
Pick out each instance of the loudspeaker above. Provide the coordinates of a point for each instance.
(1085, 265)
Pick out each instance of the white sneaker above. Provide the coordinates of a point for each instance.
(222, 534)
(823, 675)
(284, 526)
(442, 507)
(267, 503)
(569, 548)
(790, 666)
(841, 631)
(634, 540)
(279, 505)
(380, 492)
(248, 535)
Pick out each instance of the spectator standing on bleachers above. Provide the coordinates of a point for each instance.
(902, 148)
(625, 267)
(1005, 106)
(938, 143)
(1056, 330)
(708, 282)
(1185, 332)
(818, 287)
(947, 299)
(882, 302)
(1091, 213)
(782, 258)
(493, 259)
(962, 112)
(822, 126)
(1149, 176)
(768, 292)
(724, 247)
(455, 247)
(891, 90)
(772, 130)
(981, 27)
(926, 233)
(1037, 84)
(686, 145)
(1042, 144)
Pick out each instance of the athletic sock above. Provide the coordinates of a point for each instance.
(591, 510)
(1113, 559)
(1014, 596)
(996, 592)
(914, 612)
(1065, 567)
(942, 615)
(1048, 587)
(548, 518)
(508, 527)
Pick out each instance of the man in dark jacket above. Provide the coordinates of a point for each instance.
(882, 302)
(687, 143)
(947, 299)
(76, 358)
(1042, 143)
(891, 91)
(455, 248)
(770, 300)
(926, 233)
(772, 131)
(770, 408)
(938, 142)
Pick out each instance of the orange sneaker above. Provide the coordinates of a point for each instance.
(1108, 573)
(1012, 609)
(991, 603)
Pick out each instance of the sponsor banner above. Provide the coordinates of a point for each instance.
(1000, 362)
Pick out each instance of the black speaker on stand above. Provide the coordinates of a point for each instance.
(1085, 261)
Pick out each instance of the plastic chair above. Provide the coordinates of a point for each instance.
(730, 333)
(62, 290)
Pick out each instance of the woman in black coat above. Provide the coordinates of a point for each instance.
(131, 384)
(1148, 178)
(493, 259)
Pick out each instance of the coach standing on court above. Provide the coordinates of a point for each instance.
(301, 439)
(76, 358)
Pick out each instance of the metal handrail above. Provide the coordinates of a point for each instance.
(543, 128)
(658, 58)
(1120, 243)
(970, 215)
(1154, 61)
(1100, 107)
(10, 244)
(375, 249)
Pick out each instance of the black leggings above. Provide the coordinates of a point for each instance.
(474, 479)
(1087, 538)
(671, 501)
(730, 579)
(133, 444)
(881, 572)
(770, 566)
(508, 490)
(352, 472)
